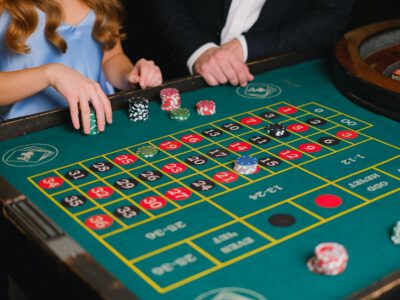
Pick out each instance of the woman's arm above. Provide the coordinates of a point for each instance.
(32, 80)
(77, 90)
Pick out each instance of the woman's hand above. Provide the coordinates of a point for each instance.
(145, 73)
(79, 91)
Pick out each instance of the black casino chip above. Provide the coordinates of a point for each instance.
(277, 130)
(138, 109)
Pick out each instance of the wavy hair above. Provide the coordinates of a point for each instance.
(24, 20)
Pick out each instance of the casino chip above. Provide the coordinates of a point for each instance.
(396, 74)
(179, 114)
(396, 234)
(205, 107)
(276, 130)
(147, 151)
(170, 99)
(93, 122)
(246, 165)
(138, 109)
(330, 259)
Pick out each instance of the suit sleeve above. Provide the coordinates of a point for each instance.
(181, 33)
(318, 28)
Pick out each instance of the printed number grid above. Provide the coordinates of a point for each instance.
(195, 166)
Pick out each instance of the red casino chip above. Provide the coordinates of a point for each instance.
(206, 107)
(287, 110)
(153, 202)
(174, 168)
(298, 127)
(191, 138)
(170, 99)
(100, 192)
(170, 145)
(239, 146)
(178, 194)
(98, 222)
(290, 154)
(125, 159)
(251, 121)
(226, 177)
(310, 147)
(347, 134)
(51, 182)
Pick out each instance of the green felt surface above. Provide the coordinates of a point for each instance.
(218, 243)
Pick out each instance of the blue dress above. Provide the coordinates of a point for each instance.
(84, 54)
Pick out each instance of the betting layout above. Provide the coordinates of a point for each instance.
(184, 213)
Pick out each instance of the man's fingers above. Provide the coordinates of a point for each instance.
(215, 70)
(242, 71)
(209, 78)
(230, 73)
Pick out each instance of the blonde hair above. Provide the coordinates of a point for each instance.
(24, 20)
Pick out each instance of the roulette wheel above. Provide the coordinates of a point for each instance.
(366, 69)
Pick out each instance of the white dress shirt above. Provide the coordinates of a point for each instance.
(241, 17)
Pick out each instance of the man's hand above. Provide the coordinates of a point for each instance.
(224, 64)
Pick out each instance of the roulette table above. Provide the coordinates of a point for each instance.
(87, 216)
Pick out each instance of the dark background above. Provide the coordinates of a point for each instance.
(145, 40)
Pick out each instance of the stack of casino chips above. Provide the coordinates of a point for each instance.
(138, 109)
(170, 99)
(205, 107)
(329, 259)
(93, 122)
(396, 74)
(147, 151)
(396, 234)
(246, 165)
(276, 130)
(179, 114)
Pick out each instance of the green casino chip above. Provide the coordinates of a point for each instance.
(147, 151)
(93, 123)
(180, 114)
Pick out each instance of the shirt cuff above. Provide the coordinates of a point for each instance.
(196, 54)
(243, 42)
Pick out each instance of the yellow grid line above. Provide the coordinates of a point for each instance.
(274, 242)
(117, 190)
(106, 245)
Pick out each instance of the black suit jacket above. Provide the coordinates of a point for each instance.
(283, 26)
